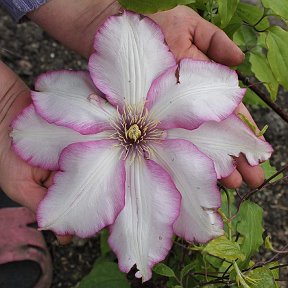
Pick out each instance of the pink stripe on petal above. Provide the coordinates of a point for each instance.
(194, 176)
(69, 98)
(136, 55)
(142, 233)
(88, 192)
(205, 91)
(221, 140)
(38, 142)
(168, 75)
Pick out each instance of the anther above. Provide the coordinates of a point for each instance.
(134, 132)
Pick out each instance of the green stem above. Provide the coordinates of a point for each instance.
(240, 275)
(229, 214)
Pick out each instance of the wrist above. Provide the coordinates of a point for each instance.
(74, 23)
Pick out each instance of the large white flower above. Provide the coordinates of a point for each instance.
(143, 159)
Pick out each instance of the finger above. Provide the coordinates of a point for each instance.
(49, 180)
(78, 21)
(192, 52)
(233, 181)
(252, 175)
(213, 42)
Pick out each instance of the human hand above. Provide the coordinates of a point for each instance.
(189, 35)
(22, 183)
(186, 33)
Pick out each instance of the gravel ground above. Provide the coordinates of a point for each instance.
(29, 51)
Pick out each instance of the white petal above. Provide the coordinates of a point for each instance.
(69, 98)
(142, 232)
(88, 192)
(195, 178)
(220, 141)
(130, 53)
(40, 143)
(205, 91)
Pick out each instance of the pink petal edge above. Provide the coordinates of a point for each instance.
(65, 153)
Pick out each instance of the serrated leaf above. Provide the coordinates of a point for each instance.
(250, 227)
(260, 277)
(270, 170)
(223, 248)
(279, 7)
(262, 70)
(152, 6)
(227, 9)
(105, 274)
(277, 55)
(164, 270)
(252, 14)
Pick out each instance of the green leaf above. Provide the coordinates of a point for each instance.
(250, 227)
(245, 37)
(277, 55)
(227, 9)
(223, 248)
(268, 244)
(253, 99)
(262, 70)
(275, 271)
(270, 170)
(245, 67)
(164, 270)
(279, 7)
(198, 5)
(104, 247)
(260, 277)
(152, 6)
(105, 274)
(252, 14)
(186, 269)
(231, 29)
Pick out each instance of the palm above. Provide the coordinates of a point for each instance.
(19, 180)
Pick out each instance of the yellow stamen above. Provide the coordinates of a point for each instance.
(134, 132)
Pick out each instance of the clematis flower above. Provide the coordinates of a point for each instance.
(143, 153)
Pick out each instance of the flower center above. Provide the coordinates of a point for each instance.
(135, 131)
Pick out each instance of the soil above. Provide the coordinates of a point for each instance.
(29, 51)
